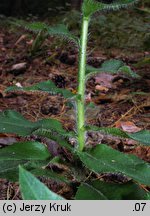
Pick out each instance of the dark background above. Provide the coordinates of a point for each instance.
(130, 28)
(36, 7)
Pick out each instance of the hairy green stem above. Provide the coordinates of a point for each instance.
(81, 86)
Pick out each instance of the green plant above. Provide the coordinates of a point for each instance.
(42, 31)
(27, 180)
(102, 159)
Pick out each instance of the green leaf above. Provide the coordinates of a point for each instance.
(88, 192)
(24, 151)
(55, 137)
(126, 70)
(148, 196)
(91, 6)
(106, 130)
(38, 42)
(49, 174)
(14, 122)
(112, 66)
(47, 86)
(47, 127)
(9, 169)
(61, 30)
(98, 190)
(142, 136)
(35, 27)
(144, 62)
(104, 159)
(33, 189)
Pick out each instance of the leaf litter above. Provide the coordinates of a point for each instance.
(112, 95)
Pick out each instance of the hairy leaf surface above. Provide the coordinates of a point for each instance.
(142, 137)
(50, 174)
(98, 190)
(55, 137)
(112, 66)
(33, 189)
(104, 159)
(47, 86)
(14, 122)
(24, 151)
(91, 6)
(9, 169)
(59, 30)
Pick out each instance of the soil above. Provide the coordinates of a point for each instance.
(119, 101)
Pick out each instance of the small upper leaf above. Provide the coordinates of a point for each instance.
(106, 130)
(91, 6)
(47, 86)
(33, 189)
(36, 27)
(33, 27)
(61, 30)
(142, 136)
(112, 66)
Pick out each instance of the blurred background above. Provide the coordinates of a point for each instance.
(40, 7)
(129, 29)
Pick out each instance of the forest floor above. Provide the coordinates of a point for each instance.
(119, 101)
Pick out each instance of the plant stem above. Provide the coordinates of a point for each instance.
(81, 85)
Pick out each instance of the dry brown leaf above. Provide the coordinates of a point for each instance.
(23, 37)
(3, 135)
(19, 66)
(30, 42)
(88, 98)
(2, 91)
(119, 97)
(102, 98)
(128, 126)
(7, 141)
(104, 79)
(101, 88)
